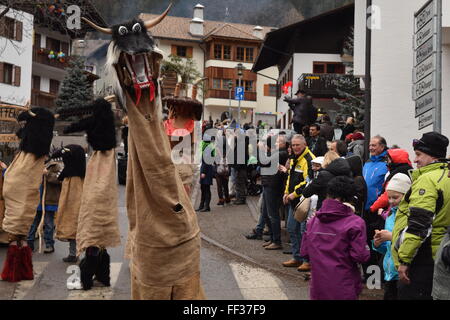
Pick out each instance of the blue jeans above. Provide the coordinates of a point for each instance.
(295, 230)
(49, 227)
(270, 208)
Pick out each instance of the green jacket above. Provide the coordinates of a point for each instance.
(423, 212)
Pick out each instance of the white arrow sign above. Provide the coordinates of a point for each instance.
(425, 68)
(426, 50)
(424, 86)
(426, 119)
(425, 33)
(424, 15)
(426, 103)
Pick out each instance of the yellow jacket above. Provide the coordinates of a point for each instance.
(299, 172)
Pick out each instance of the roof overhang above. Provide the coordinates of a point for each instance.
(324, 33)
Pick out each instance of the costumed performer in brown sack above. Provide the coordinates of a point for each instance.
(21, 190)
(72, 177)
(164, 237)
(98, 226)
(183, 112)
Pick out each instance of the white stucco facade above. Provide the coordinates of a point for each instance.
(393, 109)
(18, 53)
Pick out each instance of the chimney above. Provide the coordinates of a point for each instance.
(196, 26)
(258, 32)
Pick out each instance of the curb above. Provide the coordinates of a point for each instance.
(248, 259)
(252, 206)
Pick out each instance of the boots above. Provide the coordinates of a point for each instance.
(102, 274)
(207, 202)
(221, 202)
(88, 267)
(202, 203)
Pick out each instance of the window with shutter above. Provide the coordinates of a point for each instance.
(36, 82)
(54, 86)
(190, 52)
(7, 73)
(65, 48)
(17, 74)
(8, 27)
(19, 30)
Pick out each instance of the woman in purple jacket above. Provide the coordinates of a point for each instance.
(335, 243)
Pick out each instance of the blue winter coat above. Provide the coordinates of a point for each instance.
(374, 172)
(390, 272)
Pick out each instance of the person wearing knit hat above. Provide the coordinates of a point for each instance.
(400, 183)
(422, 219)
(433, 145)
(397, 188)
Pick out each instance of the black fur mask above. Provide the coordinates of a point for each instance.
(74, 160)
(100, 129)
(37, 134)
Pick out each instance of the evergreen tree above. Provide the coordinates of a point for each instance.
(348, 87)
(75, 91)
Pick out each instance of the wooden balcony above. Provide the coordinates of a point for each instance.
(225, 94)
(42, 99)
(322, 85)
(43, 59)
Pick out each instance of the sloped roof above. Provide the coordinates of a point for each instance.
(177, 28)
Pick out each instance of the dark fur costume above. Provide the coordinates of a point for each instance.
(74, 161)
(95, 263)
(37, 134)
(100, 129)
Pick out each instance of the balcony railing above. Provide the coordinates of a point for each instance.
(225, 94)
(322, 85)
(42, 99)
(43, 59)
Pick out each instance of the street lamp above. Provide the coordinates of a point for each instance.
(240, 70)
(230, 87)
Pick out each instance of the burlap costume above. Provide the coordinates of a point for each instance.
(164, 237)
(22, 199)
(98, 217)
(69, 208)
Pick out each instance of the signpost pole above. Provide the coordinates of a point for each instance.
(437, 111)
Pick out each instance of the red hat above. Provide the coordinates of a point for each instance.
(358, 136)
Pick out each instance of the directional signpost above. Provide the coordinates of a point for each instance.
(427, 71)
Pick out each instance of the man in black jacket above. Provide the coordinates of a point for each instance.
(304, 112)
(271, 155)
(316, 143)
(241, 156)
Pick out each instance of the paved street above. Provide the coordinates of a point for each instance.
(224, 275)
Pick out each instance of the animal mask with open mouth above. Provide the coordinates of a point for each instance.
(131, 55)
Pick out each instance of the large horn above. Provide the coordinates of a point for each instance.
(96, 27)
(151, 23)
(195, 88)
(31, 113)
(178, 86)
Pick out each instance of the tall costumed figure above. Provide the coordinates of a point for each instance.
(21, 190)
(164, 238)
